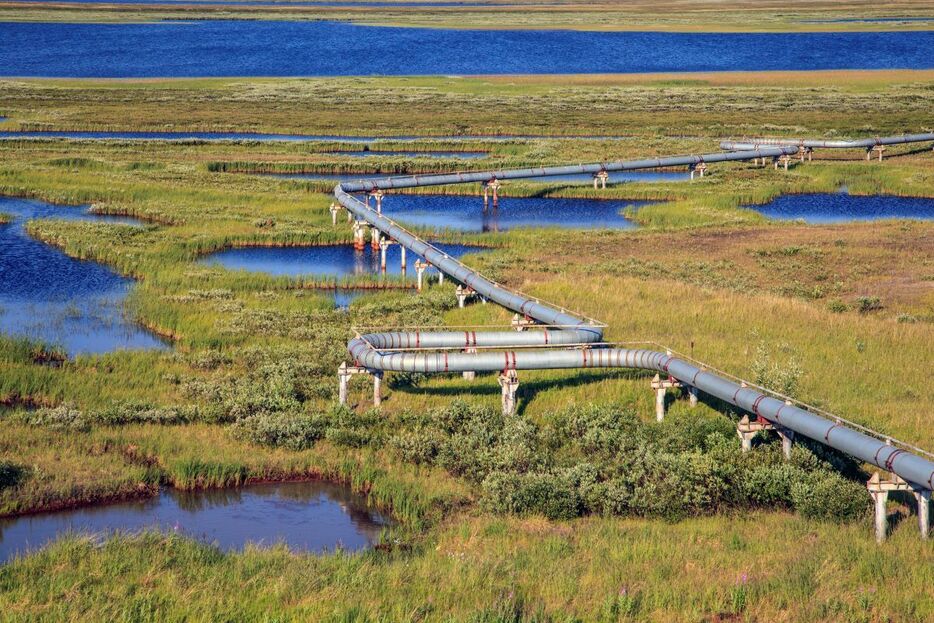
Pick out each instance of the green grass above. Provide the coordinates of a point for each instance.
(702, 274)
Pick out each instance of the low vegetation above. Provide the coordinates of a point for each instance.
(577, 508)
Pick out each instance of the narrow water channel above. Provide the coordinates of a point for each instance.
(306, 516)
(46, 295)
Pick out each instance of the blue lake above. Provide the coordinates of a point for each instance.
(243, 48)
(48, 296)
(466, 213)
(305, 516)
(333, 260)
(842, 207)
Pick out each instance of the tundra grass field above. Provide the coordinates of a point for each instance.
(580, 507)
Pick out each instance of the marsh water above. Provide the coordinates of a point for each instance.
(842, 207)
(322, 48)
(49, 296)
(305, 516)
(332, 261)
(103, 135)
(467, 213)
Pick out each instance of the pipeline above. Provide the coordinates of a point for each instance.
(571, 341)
(866, 143)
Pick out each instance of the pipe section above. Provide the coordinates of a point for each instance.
(866, 143)
(389, 350)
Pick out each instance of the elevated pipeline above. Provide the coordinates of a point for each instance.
(574, 341)
(866, 143)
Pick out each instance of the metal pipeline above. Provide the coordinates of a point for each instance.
(866, 143)
(389, 350)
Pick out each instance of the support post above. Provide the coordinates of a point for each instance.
(343, 377)
(520, 323)
(440, 277)
(692, 396)
(747, 430)
(334, 210)
(470, 375)
(359, 235)
(788, 440)
(661, 386)
(377, 387)
(462, 294)
(403, 249)
(420, 267)
(383, 247)
(879, 489)
(600, 178)
(509, 382)
(923, 497)
(375, 238)
(378, 195)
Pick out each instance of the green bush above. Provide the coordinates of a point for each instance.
(287, 430)
(828, 496)
(553, 495)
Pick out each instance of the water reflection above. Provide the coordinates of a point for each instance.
(49, 296)
(306, 516)
(842, 207)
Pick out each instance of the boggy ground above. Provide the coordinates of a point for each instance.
(538, 517)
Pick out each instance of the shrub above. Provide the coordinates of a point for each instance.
(828, 496)
(288, 430)
(553, 495)
(866, 304)
(418, 446)
(62, 417)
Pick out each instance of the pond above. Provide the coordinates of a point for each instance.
(466, 212)
(842, 207)
(321, 48)
(332, 260)
(48, 296)
(306, 516)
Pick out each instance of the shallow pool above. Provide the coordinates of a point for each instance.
(467, 213)
(332, 261)
(842, 207)
(49, 296)
(305, 516)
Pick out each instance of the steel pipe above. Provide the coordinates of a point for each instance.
(384, 351)
(866, 143)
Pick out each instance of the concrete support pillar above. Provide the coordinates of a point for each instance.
(923, 497)
(343, 377)
(377, 388)
(420, 268)
(700, 168)
(661, 386)
(403, 250)
(519, 323)
(810, 154)
(383, 247)
(359, 235)
(378, 195)
(692, 396)
(375, 238)
(509, 382)
(788, 440)
(600, 179)
(746, 430)
(868, 154)
(486, 197)
(880, 498)
(879, 489)
(334, 210)
(462, 294)
(470, 374)
(491, 186)
(440, 278)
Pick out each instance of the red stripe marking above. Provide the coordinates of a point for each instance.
(546, 336)
(474, 338)
(827, 434)
(735, 393)
(445, 362)
(467, 338)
